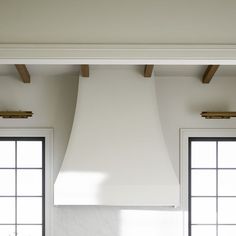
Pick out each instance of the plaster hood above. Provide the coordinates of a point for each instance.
(116, 153)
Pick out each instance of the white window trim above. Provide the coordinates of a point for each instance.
(47, 133)
(185, 134)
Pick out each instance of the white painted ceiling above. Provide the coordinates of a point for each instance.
(159, 70)
(118, 21)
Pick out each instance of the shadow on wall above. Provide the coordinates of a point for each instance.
(209, 106)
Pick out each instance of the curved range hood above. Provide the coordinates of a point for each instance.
(116, 154)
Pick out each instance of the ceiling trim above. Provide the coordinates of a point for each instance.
(117, 54)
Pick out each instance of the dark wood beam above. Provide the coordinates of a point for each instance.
(209, 73)
(148, 71)
(218, 114)
(84, 70)
(23, 72)
(16, 114)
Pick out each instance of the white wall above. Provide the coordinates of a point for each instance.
(181, 100)
(51, 99)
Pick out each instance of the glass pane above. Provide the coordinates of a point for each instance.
(203, 182)
(7, 230)
(7, 212)
(227, 154)
(229, 230)
(203, 210)
(7, 182)
(7, 154)
(29, 154)
(203, 154)
(227, 210)
(29, 182)
(29, 210)
(204, 230)
(226, 182)
(29, 230)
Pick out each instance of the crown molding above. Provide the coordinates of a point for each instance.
(130, 54)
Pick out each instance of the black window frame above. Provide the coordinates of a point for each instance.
(205, 139)
(16, 139)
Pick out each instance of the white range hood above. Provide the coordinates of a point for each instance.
(116, 154)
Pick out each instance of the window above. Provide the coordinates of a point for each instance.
(212, 186)
(22, 186)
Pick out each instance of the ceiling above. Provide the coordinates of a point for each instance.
(118, 22)
(159, 70)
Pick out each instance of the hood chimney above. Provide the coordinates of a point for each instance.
(116, 153)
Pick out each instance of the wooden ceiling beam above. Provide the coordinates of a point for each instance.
(148, 71)
(23, 72)
(84, 70)
(16, 114)
(209, 73)
(218, 114)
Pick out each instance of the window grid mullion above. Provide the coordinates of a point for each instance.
(20, 224)
(189, 188)
(15, 195)
(214, 224)
(213, 196)
(217, 189)
(16, 188)
(11, 196)
(217, 197)
(222, 168)
(43, 188)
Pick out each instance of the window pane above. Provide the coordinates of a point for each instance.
(7, 154)
(7, 212)
(29, 230)
(227, 154)
(7, 230)
(29, 210)
(203, 230)
(229, 230)
(203, 154)
(226, 182)
(29, 154)
(7, 182)
(203, 210)
(227, 210)
(203, 182)
(29, 182)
